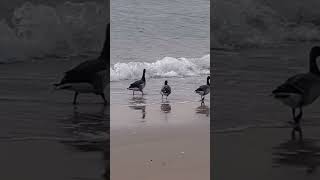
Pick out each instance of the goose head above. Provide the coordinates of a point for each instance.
(314, 53)
(165, 82)
(208, 80)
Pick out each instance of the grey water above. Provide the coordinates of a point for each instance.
(44, 136)
(171, 39)
(146, 31)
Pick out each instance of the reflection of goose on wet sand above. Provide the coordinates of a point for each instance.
(88, 130)
(302, 153)
(166, 107)
(138, 103)
(138, 85)
(301, 89)
(203, 109)
(89, 76)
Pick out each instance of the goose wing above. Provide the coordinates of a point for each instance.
(202, 88)
(166, 89)
(299, 84)
(306, 85)
(84, 72)
(91, 66)
(136, 84)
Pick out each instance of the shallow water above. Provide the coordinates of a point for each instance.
(42, 126)
(146, 31)
(170, 39)
(182, 90)
(244, 81)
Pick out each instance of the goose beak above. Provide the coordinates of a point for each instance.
(54, 89)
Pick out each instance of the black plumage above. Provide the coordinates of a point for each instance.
(93, 72)
(301, 89)
(138, 85)
(204, 89)
(165, 90)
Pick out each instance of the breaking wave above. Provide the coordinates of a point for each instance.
(37, 30)
(254, 23)
(166, 67)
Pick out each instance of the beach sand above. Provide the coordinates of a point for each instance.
(157, 142)
(42, 134)
(266, 153)
(250, 129)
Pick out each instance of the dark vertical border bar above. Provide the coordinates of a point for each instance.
(211, 87)
(107, 151)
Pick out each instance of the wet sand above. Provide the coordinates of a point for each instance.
(267, 153)
(42, 134)
(251, 133)
(157, 142)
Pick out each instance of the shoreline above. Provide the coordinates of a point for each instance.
(160, 145)
(266, 153)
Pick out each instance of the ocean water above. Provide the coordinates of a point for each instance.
(43, 136)
(35, 30)
(264, 23)
(244, 80)
(170, 39)
(257, 45)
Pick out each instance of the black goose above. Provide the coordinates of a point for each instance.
(165, 90)
(138, 85)
(89, 76)
(204, 89)
(301, 89)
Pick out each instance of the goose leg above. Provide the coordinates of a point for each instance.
(297, 123)
(300, 114)
(142, 92)
(293, 113)
(293, 132)
(298, 117)
(75, 98)
(104, 98)
(132, 93)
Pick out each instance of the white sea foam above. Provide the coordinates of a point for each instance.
(166, 67)
(247, 23)
(39, 30)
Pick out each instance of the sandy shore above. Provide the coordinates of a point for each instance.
(160, 145)
(44, 136)
(266, 153)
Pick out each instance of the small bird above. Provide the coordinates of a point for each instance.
(89, 76)
(301, 89)
(165, 90)
(204, 89)
(138, 85)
